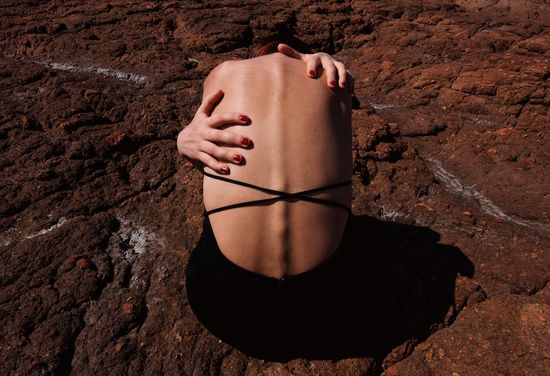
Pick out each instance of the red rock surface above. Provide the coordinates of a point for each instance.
(98, 215)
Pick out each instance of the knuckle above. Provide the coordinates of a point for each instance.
(213, 165)
(211, 149)
(205, 146)
(217, 135)
(217, 151)
(210, 134)
(205, 123)
(226, 117)
(227, 155)
(211, 162)
(225, 138)
(330, 67)
(203, 159)
(201, 133)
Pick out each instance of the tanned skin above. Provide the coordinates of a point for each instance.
(300, 132)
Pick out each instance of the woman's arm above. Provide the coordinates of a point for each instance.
(199, 141)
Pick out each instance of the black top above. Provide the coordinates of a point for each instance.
(279, 195)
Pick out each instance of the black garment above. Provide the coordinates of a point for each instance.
(266, 317)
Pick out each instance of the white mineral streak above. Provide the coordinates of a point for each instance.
(483, 122)
(137, 237)
(390, 214)
(455, 186)
(381, 106)
(113, 73)
(59, 223)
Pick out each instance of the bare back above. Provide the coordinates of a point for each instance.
(301, 135)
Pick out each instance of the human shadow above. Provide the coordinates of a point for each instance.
(394, 284)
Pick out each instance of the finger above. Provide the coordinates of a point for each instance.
(289, 51)
(210, 102)
(312, 64)
(219, 153)
(227, 138)
(180, 140)
(227, 118)
(341, 68)
(210, 162)
(330, 70)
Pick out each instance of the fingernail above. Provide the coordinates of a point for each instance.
(224, 170)
(343, 85)
(332, 83)
(243, 118)
(237, 157)
(312, 73)
(245, 141)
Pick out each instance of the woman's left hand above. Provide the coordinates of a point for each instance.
(335, 70)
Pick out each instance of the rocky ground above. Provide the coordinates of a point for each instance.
(98, 214)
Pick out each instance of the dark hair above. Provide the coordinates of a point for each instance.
(264, 48)
(267, 46)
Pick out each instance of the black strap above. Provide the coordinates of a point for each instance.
(280, 195)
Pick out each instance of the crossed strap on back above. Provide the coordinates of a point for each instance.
(279, 195)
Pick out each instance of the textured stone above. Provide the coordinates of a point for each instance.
(98, 215)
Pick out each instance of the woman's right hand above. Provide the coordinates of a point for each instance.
(199, 140)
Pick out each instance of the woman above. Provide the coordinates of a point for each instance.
(275, 220)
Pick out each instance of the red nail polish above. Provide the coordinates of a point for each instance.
(224, 169)
(332, 83)
(243, 118)
(343, 85)
(237, 157)
(245, 141)
(312, 73)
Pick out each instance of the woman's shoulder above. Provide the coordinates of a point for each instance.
(233, 69)
(229, 67)
(224, 69)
